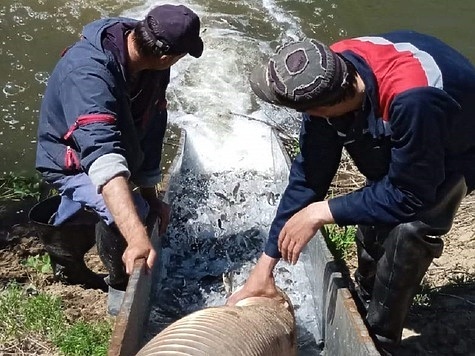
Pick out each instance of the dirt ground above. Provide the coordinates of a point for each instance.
(16, 245)
(441, 323)
(86, 304)
(444, 324)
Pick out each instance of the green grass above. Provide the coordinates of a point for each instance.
(15, 187)
(426, 294)
(40, 263)
(41, 317)
(339, 239)
(21, 314)
(292, 147)
(85, 339)
(461, 279)
(423, 297)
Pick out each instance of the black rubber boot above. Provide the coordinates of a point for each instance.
(408, 252)
(408, 255)
(111, 246)
(67, 244)
(369, 251)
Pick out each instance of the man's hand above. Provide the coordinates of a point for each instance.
(300, 229)
(260, 282)
(138, 248)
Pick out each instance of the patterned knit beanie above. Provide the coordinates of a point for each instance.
(300, 75)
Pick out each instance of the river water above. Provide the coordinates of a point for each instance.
(227, 196)
(237, 34)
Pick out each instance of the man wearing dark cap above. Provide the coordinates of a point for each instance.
(402, 105)
(102, 123)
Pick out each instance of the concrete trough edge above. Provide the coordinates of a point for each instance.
(343, 330)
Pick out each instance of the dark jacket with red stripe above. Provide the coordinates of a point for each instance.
(95, 119)
(417, 126)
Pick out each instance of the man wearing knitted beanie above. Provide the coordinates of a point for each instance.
(401, 105)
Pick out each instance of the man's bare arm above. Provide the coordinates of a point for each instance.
(120, 203)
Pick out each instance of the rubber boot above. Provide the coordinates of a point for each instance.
(111, 246)
(67, 244)
(408, 252)
(369, 251)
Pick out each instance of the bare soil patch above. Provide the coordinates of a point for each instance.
(79, 303)
(16, 245)
(445, 323)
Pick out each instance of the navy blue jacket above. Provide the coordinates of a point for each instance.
(416, 127)
(95, 119)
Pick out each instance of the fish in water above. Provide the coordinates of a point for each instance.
(228, 278)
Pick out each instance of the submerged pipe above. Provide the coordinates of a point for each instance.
(253, 327)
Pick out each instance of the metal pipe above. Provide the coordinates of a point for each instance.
(253, 327)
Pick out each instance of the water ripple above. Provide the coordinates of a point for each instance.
(11, 89)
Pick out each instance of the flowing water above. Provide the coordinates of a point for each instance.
(237, 35)
(218, 228)
(226, 198)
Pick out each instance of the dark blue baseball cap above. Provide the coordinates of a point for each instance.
(176, 29)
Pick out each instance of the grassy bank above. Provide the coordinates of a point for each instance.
(33, 321)
(29, 318)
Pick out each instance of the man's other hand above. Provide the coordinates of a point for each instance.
(260, 283)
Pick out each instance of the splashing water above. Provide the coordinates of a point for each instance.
(218, 229)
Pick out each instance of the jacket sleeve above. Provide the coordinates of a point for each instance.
(419, 125)
(87, 90)
(310, 175)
